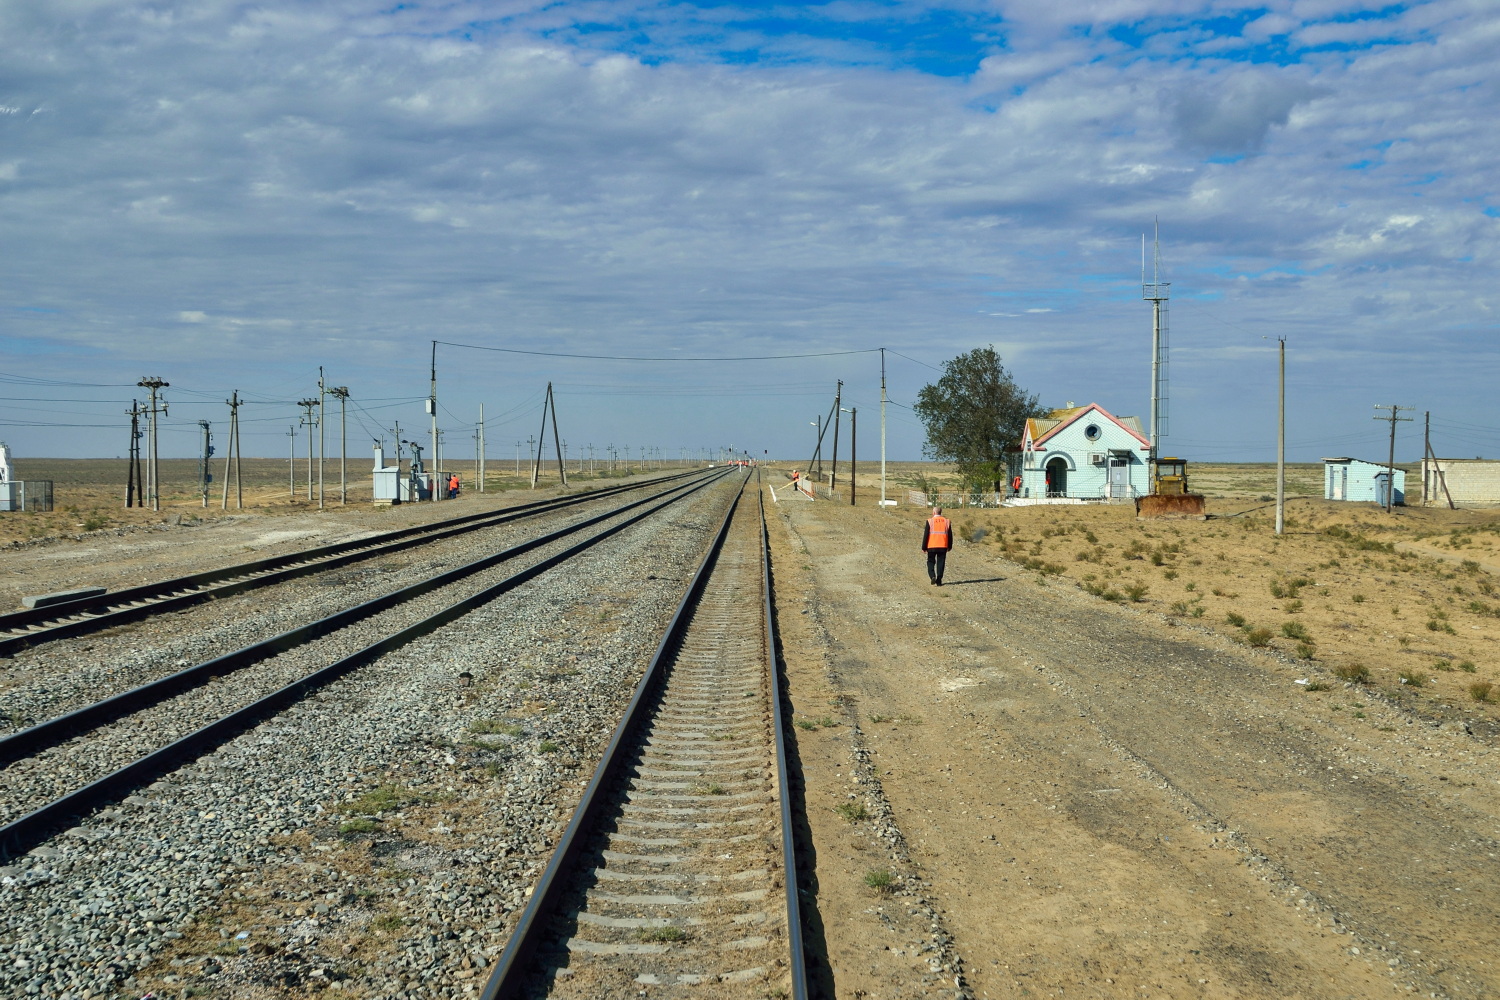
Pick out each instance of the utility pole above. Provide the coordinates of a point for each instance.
(838, 416)
(1426, 450)
(518, 459)
(1390, 465)
(291, 462)
(232, 455)
(322, 441)
(133, 458)
(1281, 440)
(853, 463)
(562, 470)
(204, 476)
(341, 393)
(1158, 293)
(882, 427)
(308, 420)
(481, 447)
(432, 409)
(153, 467)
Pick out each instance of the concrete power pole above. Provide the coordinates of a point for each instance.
(1281, 439)
(232, 456)
(133, 482)
(481, 447)
(882, 427)
(322, 450)
(308, 420)
(1158, 293)
(341, 393)
(291, 462)
(153, 469)
(432, 409)
(204, 476)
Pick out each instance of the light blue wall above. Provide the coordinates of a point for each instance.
(1084, 478)
(1361, 480)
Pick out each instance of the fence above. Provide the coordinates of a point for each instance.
(957, 498)
(34, 495)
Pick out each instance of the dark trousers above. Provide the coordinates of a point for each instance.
(935, 560)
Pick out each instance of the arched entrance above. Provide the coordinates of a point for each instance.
(1057, 478)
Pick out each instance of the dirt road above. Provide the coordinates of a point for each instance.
(1079, 799)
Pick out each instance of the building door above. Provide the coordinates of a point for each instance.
(1339, 483)
(1119, 478)
(1057, 478)
(1382, 488)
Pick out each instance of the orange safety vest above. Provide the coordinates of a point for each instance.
(1015, 484)
(453, 483)
(939, 532)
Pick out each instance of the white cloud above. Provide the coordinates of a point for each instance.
(384, 181)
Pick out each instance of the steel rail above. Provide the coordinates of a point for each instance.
(32, 740)
(508, 979)
(29, 831)
(797, 957)
(127, 605)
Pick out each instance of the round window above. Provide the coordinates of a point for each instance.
(1092, 432)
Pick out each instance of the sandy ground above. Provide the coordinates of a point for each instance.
(1098, 800)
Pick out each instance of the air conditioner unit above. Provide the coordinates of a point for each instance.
(1096, 458)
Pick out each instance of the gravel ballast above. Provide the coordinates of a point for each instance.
(378, 835)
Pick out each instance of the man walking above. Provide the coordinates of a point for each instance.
(937, 539)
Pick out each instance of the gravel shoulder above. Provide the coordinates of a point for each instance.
(1105, 802)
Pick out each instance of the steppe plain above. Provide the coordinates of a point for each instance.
(1110, 758)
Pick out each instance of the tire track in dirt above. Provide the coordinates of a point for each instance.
(1145, 779)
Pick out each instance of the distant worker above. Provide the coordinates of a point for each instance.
(1015, 485)
(453, 486)
(796, 479)
(937, 539)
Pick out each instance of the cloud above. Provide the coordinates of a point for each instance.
(340, 184)
(1233, 114)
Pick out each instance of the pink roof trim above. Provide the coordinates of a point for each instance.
(1092, 406)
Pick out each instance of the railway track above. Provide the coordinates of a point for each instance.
(677, 873)
(41, 822)
(26, 628)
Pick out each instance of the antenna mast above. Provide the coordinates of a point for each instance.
(1158, 293)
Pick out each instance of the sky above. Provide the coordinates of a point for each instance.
(229, 195)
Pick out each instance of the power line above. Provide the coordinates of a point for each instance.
(616, 357)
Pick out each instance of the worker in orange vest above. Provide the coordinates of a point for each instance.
(937, 539)
(453, 486)
(1015, 485)
(796, 479)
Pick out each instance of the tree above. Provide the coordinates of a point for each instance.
(974, 414)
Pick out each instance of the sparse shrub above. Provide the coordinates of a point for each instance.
(1306, 651)
(1091, 538)
(360, 824)
(1316, 686)
(547, 746)
(1237, 620)
(1442, 666)
(1170, 574)
(806, 724)
(880, 879)
(389, 922)
(827, 721)
(876, 717)
(1258, 637)
(1294, 630)
(662, 934)
(1137, 591)
(1358, 598)
(1179, 607)
(1354, 673)
(1413, 677)
(1467, 666)
(1293, 607)
(1190, 586)
(1481, 691)
(1197, 611)
(852, 811)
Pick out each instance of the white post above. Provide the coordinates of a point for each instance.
(882, 427)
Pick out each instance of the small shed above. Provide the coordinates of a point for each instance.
(1353, 479)
(1084, 452)
(1469, 481)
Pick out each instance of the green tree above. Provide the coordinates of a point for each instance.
(974, 414)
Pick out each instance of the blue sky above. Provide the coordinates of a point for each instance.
(229, 195)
